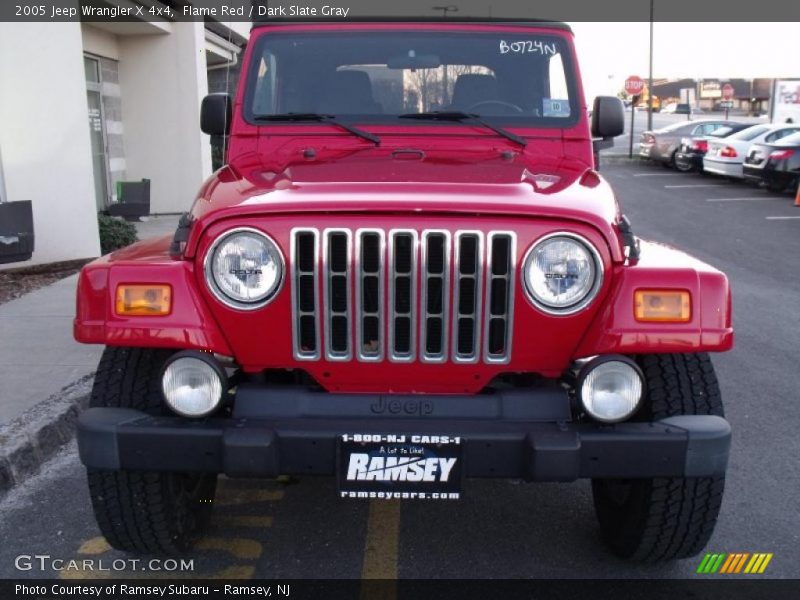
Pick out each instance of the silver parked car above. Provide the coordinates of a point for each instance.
(662, 144)
(726, 156)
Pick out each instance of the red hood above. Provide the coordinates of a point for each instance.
(473, 182)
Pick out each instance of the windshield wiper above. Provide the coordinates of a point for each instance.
(293, 116)
(440, 115)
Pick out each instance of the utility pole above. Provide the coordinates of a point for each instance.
(650, 76)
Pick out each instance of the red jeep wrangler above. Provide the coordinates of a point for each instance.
(408, 273)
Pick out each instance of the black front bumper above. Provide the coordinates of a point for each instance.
(527, 435)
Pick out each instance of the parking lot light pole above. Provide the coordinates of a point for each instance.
(650, 75)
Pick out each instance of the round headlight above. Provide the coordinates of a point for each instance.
(244, 268)
(610, 389)
(193, 384)
(562, 273)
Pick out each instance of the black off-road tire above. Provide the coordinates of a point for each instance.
(660, 519)
(144, 512)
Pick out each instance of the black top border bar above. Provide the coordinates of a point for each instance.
(454, 21)
(460, 11)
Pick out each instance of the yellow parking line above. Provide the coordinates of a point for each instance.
(238, 547)
(230, 497)
(96, 545)
(382, 540)
(244, 521)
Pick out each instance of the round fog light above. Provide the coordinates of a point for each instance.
(610, 388)
(193, 384)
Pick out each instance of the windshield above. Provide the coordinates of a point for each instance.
(376, 76)
(790, 140)
(727, 130)
(750, 133)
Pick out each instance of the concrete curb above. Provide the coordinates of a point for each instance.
(28, 441)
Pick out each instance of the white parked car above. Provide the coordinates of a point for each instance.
(726, 156)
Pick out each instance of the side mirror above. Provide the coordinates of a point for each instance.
(608, 117)
(215, 114)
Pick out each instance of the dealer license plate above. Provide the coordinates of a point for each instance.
(400, 466)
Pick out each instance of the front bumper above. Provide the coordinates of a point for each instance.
(283, 431)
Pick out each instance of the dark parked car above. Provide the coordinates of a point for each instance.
(678, 109)
(662, 144)
(777, 165)
(689, 156)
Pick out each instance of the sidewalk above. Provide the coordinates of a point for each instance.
(45, 375)
(38, 356)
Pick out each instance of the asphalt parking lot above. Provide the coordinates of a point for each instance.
(503, 529)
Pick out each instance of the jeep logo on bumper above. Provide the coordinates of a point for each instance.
(401, 407)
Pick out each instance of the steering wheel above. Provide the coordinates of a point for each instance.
(512, 107)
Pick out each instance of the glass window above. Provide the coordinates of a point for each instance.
(264, 98)
(377, 76)
(779, 134)
(723, 131)
(750, 133)
(92, 68)
(790, 140)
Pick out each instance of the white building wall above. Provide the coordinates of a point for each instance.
(44, 134)
(99, 42)
(163, 81)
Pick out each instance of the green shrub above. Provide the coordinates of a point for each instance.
(115, 233)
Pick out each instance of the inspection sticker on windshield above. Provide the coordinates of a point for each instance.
(555, 108)
(400, 466)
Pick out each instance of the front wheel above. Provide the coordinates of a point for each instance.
(665, 518)
(144, 512)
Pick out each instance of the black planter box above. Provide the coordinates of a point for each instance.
(16, 231)
(134, 200)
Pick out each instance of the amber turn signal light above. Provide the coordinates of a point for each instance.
(664, 306)
(143, 300)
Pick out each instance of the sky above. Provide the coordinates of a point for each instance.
(609, 52)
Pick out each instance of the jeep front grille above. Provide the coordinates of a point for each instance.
(387, 295)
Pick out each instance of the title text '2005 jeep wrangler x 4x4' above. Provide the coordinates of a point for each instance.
(409, 273)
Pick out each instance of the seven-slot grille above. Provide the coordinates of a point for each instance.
(402, 295)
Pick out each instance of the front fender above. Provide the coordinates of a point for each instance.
(189, 324)
(615, 330)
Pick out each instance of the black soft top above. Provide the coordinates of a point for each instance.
(266, 22)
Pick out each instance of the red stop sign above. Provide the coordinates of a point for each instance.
(727, 91)
(634, 85)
